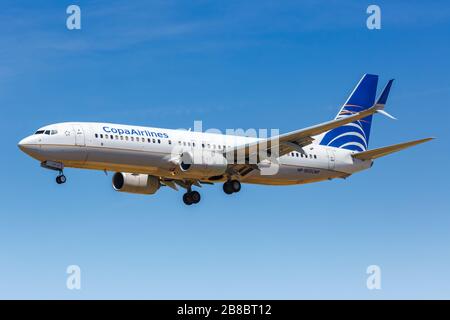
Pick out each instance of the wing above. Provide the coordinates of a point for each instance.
(291, 141)
(184, 183)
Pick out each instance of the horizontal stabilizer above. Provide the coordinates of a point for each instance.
(381, 152)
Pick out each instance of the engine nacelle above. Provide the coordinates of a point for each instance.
(203, 163)
(135, 183)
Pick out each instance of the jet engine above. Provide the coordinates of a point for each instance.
(135, 183)
(203, 163)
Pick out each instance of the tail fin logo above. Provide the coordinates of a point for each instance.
(355, 135)
(352, 136)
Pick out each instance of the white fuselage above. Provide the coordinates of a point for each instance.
(154, 151)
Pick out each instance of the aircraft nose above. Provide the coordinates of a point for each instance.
(22, 144)
(25, 144)
(32, 146)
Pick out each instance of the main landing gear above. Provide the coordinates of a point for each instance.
(191, 197)
(231, 186)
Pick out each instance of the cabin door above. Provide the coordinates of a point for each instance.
(331, 159)
(79, 135)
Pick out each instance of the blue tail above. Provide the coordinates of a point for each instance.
(355, 135)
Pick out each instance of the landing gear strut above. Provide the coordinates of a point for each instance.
(56, 166)
(231, 186)
(191, 197)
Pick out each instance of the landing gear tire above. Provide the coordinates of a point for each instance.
(61, 179)
(187, 199)
(227, 187)
(191, 197)
(235, 185)
(231, 186)
(195, 196)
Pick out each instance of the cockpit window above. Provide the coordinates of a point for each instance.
(49, 132)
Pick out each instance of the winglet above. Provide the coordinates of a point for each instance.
(384, 113)
(382, 99)
(385, 93)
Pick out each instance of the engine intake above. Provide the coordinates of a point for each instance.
(135, 183)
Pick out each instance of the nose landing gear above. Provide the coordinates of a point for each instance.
(56, 166)
(61, 178)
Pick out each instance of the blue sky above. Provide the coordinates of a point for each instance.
(231, 64)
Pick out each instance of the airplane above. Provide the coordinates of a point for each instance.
(147, 158)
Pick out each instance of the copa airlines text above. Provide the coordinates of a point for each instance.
(146, 158)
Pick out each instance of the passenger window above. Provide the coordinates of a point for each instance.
(193, 144)
(170, 142)
(159, 141)
(296, 154)
(203, 145)
(310, 156)
(126, 138)
(148, 140)
(143, 140)
(189, 144)
(96, 135)
(121, 137)
(315, 156)
(132, 138)
(101, 136)
(154, 141)
(117, 137)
